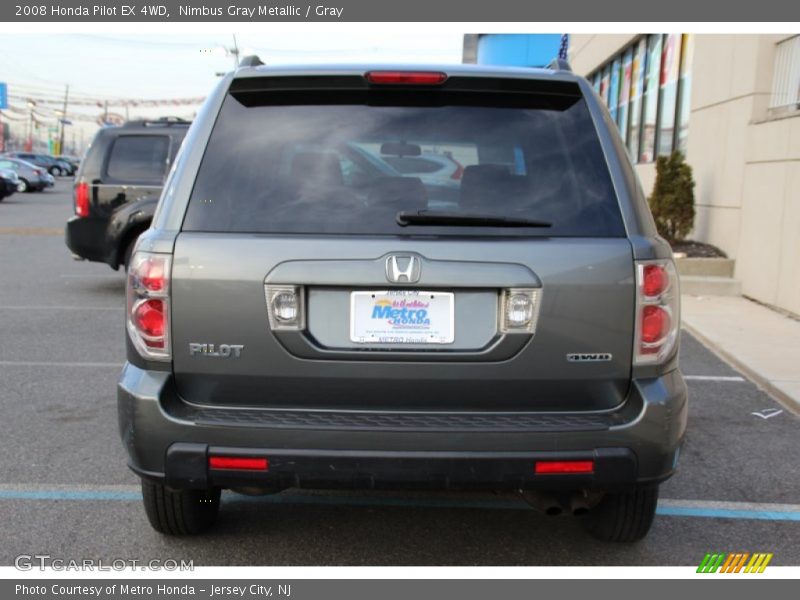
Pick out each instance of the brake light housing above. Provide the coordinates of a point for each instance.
(406, 77)
(81, 197)
(148, 314)
(657, 311)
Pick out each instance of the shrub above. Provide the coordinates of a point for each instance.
(672, 200)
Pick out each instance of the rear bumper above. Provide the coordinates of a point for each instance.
(170, 442)
(86, 238)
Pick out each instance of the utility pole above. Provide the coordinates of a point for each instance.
(63, 121)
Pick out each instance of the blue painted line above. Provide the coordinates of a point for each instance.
(299, 499)
(726, 513)
(67, 495)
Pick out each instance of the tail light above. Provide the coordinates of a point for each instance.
(148, 304)
(657, 311)
(459, 172)
(81, 194)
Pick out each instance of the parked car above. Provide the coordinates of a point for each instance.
(53, 166)
(117, 187)
(8, 182)
(31, 177)
(73, 162)
(293, 321)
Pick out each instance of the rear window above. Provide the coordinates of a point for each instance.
(324, 163)
(138, 158)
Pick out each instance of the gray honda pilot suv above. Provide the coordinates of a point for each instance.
(301, 314)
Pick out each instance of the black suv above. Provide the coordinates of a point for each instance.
(118, 185)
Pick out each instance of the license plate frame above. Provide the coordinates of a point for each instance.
(382, 328)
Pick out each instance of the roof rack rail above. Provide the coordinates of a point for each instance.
(251, 61)
(560, 64)
(160, 122)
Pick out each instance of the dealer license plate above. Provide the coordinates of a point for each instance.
(402, 317)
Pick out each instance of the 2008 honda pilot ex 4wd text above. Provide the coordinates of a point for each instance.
(302, 314)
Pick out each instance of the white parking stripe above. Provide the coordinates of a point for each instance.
(714, 378)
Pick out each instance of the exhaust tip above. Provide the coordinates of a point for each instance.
(580, 511)
(552, 511)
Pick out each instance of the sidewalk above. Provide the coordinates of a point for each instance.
(761, 343)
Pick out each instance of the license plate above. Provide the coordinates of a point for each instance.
(402, 317)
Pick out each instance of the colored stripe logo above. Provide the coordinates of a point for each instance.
(737, 562)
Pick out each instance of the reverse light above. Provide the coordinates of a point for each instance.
(519, 310)
(285, 307)
(238, 463)
(149, 305)
(406, 77)
(81, 197)
(556, 467)
(657, 311)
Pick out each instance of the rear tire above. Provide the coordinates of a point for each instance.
(623, 517)
(23, 186)
(179, 512)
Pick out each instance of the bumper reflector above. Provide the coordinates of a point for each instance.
(239, 463)
(564, 467)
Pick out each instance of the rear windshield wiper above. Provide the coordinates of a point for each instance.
(428, 217)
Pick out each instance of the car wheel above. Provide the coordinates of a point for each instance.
(623, 517)
(55, 172)
(22, 186)
(179, 512)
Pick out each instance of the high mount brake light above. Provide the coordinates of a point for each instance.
(406, 77)
(657, 311)
(149, 305)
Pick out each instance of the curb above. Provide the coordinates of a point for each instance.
(785, 400)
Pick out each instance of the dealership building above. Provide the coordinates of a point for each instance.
(731, 104)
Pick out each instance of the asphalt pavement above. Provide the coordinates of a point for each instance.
(65, 489)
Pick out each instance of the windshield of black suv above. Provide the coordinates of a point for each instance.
(337, 162)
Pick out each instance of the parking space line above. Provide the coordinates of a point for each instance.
(666, 507)
(34, 363)
(55, 231)
(114, 276)
(714, 378)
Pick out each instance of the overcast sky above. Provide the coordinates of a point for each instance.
(178, 65)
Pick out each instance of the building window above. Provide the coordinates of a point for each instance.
(786, 76)
(668, 89)
(637, 90)
(685, 91)
(650, 98)
(625, 94)
(613, 90)
(604, 80)
(647, 88)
